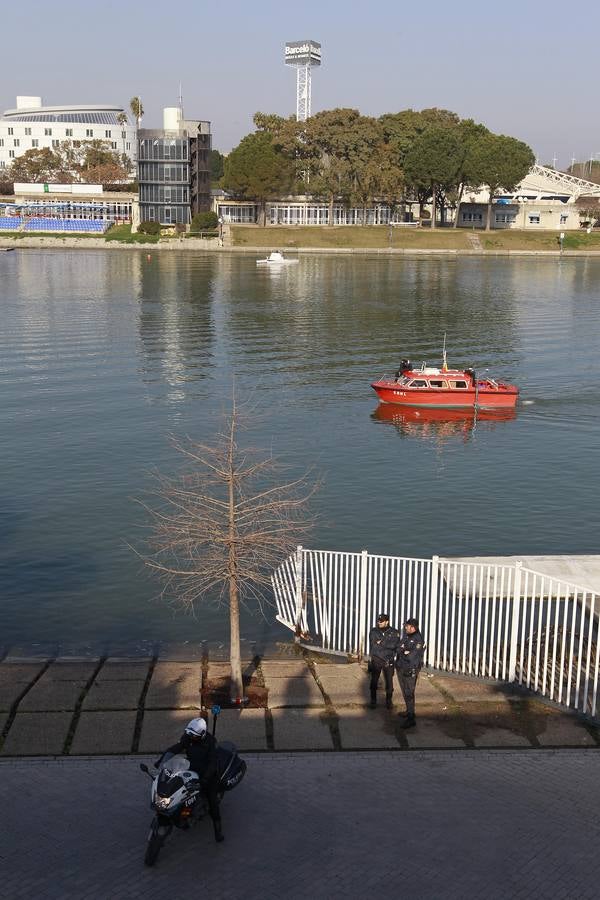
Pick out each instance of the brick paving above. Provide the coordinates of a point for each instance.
(428, 825)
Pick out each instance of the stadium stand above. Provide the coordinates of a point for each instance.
(87, 226)
(10, 223)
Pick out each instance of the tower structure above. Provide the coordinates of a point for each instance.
(303, 55)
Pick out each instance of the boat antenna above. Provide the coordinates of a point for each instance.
(445, 360)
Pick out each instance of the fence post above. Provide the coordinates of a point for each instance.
(362, 603)
(299, 583)
(433, 608)
(514, 625)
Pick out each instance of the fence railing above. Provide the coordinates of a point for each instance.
(504, 622)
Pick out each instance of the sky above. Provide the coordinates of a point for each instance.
(528, 68)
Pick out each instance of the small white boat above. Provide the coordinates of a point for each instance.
(276, 258)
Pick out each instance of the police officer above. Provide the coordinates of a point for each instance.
(384, 643)
(200, 747)
(409, 661)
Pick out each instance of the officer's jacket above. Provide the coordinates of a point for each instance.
(202, 755)
(410, 652)
(384, 643)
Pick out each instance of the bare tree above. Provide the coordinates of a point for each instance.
(222, 525)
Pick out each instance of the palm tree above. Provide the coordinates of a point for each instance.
(137, 110)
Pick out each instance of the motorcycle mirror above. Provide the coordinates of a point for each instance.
(216, 709)
(144, 768)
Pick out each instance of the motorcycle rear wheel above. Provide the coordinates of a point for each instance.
(153, 847)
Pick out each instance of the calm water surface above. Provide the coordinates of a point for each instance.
(104, 354)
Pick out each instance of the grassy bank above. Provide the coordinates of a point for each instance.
(123, 234)
(378, 238)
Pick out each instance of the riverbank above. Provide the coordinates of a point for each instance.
(271, 237)
(197, 245)
(67, 705)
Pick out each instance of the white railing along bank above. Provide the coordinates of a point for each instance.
(490, 621)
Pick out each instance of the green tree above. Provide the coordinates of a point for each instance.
(470, 133)
(137, 110)
(401, 129)
(216, 166)
(40, 165)
(499, 161)
(256, 170)
(433, 164)
(336, 147)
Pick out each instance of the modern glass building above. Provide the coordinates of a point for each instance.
(174, 170)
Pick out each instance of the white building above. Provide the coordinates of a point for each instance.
(546, 200)
(32, 126)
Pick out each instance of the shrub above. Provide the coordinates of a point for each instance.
(205, 221)
(149, 228)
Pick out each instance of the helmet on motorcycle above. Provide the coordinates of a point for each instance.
(196, 729)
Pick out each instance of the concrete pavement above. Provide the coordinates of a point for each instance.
(100, 705)
(428, 825)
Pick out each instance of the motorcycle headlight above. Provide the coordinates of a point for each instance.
(162, 802)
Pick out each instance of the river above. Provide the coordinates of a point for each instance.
(105, 354)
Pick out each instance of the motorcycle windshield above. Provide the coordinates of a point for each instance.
(168, 784)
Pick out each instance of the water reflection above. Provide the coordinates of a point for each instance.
(176, 323)
(439, 426)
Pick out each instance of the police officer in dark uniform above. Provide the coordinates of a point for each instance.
(384, 643)
(409, 661)
(200, 747)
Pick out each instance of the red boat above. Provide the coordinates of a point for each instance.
(444, 388)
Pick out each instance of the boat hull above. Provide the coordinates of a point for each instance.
(503, 397)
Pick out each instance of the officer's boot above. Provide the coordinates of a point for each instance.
(219, 836)
(373, 702)
(388, 701)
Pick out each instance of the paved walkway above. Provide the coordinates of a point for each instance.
(99, 706)
(474, 824)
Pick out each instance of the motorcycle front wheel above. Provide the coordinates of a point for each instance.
(154, 844)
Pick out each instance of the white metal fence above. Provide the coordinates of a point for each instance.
(491, 621)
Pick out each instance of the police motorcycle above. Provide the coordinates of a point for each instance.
(176, 795)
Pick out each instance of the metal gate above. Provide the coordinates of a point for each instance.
(504, 622)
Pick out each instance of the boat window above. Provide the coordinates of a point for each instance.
(437, 384)
(461, 385)
(402, 380)
(418, 382)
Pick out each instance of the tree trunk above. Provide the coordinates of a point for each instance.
(433, 204)
(236, 687)
(263, 213)
(460, 193)
(330, 222)
(488, 221)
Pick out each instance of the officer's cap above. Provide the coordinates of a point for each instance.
(383, 617)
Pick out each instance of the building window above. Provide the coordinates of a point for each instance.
(534, 218)
(68, 132)
(89, 132)
(55, 143)
(108, 134)
(113, 144)
(472, 217)
(35, 142)
(128, 145)
(563, 220)
(48, 132)
(2, 164)
(28, 131)
(123, 135)
(506, 218)
(1, 142)
(17, 142)
(10, 131)
(11, 153)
